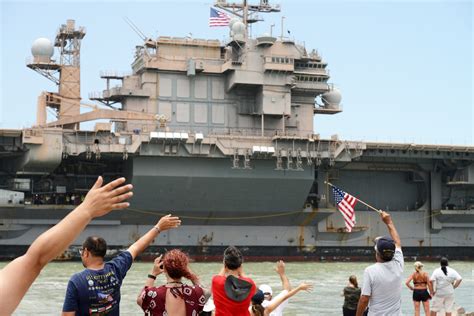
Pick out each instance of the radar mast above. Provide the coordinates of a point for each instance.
(65, 102)
(247, 12)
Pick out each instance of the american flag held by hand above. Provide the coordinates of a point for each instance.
(345, 204)
(218, 18)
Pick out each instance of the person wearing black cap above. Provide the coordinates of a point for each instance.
(382, 286)
(258, 310)
(231, 289)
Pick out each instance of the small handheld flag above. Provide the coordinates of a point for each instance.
(345, 204)
(218, 18)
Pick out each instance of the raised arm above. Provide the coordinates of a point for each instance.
(280, 299)
(155, 271)
(387, 219)
(18, 275)
(280, 269)
(165, 223)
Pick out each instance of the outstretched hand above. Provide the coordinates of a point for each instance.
(100, 200)
(305, 287)
(280, 267)
(168, 222)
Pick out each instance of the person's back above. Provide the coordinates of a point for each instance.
(444, 283)
(179, 300)
(174, 304)
(351, 297)
(382, 285)
(98, 291)
(420, 280)
(385, 281)
(175, 297)
(226, 306)
(232, 291)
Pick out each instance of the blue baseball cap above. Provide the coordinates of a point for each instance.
(258, 297)
(385, 247)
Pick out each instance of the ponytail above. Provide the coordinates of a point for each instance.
(444, 263)
(353, 280)
(191, 276)
(258, 310)
(445, 270)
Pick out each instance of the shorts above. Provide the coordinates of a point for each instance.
(421, 295)
(442, 302)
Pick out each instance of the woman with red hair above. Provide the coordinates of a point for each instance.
(174, 297)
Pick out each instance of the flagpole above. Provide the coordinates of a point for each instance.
(369, 206)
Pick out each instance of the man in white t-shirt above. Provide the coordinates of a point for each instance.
(382, 285)
(444, 281)
(268, 293)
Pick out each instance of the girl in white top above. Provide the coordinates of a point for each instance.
(444, 280)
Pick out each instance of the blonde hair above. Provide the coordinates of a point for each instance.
(418, 266)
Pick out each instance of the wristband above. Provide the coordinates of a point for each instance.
(151, 276)
(159, 231)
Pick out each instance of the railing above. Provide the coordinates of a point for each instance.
(114, 74)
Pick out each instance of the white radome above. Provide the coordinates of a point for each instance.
(332, 97)
(42, 47)
(233, 21)
(238, 28)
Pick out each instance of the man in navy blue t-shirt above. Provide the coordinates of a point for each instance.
(96, 290)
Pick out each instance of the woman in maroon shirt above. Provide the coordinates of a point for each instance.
(174, 297)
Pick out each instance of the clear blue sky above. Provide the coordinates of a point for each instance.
(405, 68)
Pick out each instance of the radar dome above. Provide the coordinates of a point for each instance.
(232, 22)
(42, 47)
(238, 31)
(332, 98)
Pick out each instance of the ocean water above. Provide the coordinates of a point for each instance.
(46, 295)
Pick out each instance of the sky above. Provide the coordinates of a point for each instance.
(405, 68)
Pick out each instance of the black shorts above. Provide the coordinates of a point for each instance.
(421, 295)
(348, 312)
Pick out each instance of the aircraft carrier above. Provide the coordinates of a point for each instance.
(221, 134)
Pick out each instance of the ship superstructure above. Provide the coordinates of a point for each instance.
(222, 134)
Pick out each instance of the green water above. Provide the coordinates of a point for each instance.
(46, 295)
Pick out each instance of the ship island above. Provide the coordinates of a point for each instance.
(221, 133)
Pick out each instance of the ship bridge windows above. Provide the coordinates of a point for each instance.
(310, 65)
(303, 78)
(280, 60)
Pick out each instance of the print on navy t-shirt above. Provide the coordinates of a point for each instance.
(97, 292)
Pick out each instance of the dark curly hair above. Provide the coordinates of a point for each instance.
(175, 263)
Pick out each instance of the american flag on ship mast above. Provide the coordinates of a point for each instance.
(218, 18)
